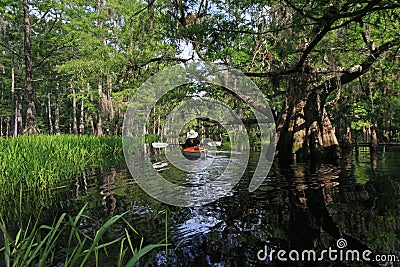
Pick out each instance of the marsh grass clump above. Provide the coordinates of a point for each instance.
(40, 162)
(65, 244)
(31, 169)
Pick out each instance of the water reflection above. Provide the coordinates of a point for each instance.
(300, 207)
(107, 186)
(296, 209)
(78, 185)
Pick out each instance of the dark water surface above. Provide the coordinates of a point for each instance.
(296, 208)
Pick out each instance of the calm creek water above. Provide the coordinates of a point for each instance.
(296, 208)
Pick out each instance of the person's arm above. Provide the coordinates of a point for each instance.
(197, 141)
(186, 144)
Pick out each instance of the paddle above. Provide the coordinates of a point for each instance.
(164, 145)
(159, 145)
(214, 143)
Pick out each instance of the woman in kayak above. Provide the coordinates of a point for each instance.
(191, 140)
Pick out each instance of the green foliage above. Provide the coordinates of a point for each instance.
(42, 162)
(38, 245)
(360, 120)
(151, 138)
(118, 44)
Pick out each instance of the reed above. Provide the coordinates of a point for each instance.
(64, 243)
(40, 162)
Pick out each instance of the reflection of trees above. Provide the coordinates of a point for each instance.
(307, 220)
(301, 207)
(107, 185)
(298, 215)
(374, 160)
(78, 184)
(368, 204)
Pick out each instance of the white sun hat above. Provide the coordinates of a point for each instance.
(192, 134)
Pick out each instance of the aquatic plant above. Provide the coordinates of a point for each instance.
(65, 243)
(40, 162)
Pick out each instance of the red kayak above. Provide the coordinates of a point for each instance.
(193, 152)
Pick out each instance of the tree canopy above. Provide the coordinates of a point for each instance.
(72, 66)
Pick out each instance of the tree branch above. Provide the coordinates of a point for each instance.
(270, 74)
(263, 32)
(331, 15)
(356, 71)
(165, 59)
(313, 44)
(367, 40)
(141, 10)
(327, 20)
(11, 50)
(355, 16)
(50, 54)
(41, 18)
(300, 11)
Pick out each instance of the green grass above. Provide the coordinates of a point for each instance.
(41, 245)
(34, 166)
(40, 162)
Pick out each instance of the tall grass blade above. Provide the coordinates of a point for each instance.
(50, 240)
(7, 251)
(99, 235)
(73, 222)
(141, 253)
(121, 252)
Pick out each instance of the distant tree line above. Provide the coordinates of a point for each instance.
(328, 69)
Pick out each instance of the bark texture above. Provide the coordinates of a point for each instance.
(347, 142)
(304, 129)
(31, 126)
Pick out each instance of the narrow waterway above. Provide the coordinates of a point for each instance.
(301, 207)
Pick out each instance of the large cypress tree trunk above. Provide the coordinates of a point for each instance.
(31, 126)
(304, 129)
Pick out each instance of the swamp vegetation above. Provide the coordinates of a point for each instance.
(68, 70)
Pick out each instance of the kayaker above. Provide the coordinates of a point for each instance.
(192, 139)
